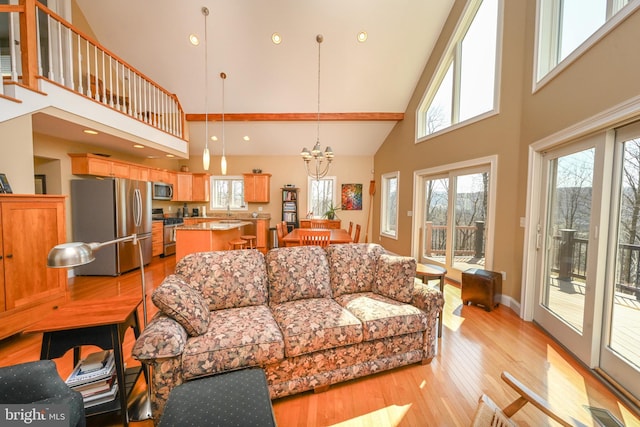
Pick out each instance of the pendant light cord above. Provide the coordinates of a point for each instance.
(205, 12)
(223, 76)
(319, 39)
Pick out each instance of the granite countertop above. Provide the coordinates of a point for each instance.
(215, 225)
(243, 216)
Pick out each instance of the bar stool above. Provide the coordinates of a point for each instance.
(252, 241)
(237, 244)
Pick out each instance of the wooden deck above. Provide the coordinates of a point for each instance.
(566, 299)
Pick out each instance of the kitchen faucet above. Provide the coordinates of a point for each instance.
(228, 210)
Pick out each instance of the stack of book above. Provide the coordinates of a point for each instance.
(95, 378)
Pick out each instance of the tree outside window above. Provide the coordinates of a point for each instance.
(321, 196)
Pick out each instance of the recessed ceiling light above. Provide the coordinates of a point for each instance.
(362, 36)
(152, 157)
(90, 131)
(194, 40)
(170, 155)
(138, 146)
(214, 138)
(246, 138)
(276, 38)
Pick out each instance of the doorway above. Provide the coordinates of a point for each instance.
(454, 211)
(585, 233)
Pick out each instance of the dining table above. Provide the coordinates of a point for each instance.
(338, 235)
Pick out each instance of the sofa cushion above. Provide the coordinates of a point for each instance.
(226, 279)
(383, 317)
(297, 272)
(352, 268)
(236, 338)
(183, 304)
(315, 324)
(395, 277)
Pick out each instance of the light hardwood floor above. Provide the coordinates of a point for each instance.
(475, 348)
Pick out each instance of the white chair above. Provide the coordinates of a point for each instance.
(488, 414)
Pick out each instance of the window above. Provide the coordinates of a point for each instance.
(321, 195)
(227, 192)
(464, 86)
(565, 25)
(389, 208)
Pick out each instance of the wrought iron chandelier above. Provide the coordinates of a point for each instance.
(316, 161)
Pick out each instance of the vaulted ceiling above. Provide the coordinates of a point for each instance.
(377, 76)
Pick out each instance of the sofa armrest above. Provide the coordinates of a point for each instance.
(428, 299)
(162, 338)
(431, 301)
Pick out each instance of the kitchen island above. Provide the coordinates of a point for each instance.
(207, 236)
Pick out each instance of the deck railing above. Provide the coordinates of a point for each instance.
(469, 240)
(53, 49)
(569, 261)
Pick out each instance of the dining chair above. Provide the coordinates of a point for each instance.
(356, 236)
(280, 232)
(350, 228)
(285, 227)
(311, 237)
(319, 224)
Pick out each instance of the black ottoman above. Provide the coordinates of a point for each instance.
(238, 398)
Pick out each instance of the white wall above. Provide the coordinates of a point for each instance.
(16, 154)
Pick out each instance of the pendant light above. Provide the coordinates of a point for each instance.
(223, 160)
(206, 156)
(320, 168)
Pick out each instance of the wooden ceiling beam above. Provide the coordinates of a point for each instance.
(296, 117)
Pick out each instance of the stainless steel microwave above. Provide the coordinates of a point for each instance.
(162, 191)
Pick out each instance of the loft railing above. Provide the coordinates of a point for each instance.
(53, 49)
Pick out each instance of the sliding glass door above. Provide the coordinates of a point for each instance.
(588, 252)
(620, 347)
(566, 266)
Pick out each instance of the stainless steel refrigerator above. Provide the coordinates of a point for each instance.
(107, 209)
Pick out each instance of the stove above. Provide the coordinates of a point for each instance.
(172, 221)
(169, 232)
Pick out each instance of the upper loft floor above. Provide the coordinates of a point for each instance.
(65, 79)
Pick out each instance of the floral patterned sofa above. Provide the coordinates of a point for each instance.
(310, 317)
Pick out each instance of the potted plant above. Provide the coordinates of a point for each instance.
(331, 211)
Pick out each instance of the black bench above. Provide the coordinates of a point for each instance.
(238, 398)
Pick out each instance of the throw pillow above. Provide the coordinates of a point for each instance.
(183, 304)
(395, 277)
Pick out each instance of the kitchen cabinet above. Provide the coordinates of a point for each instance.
(200, 187)
(139, 173)
(91, 164)
(157, 238)
(160, 175)
(29, 227)
(187, 187)
(257, 187)
(262, 235)
(182, 190)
